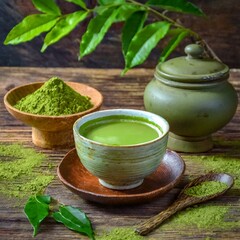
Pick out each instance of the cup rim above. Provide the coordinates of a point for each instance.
(121, 112)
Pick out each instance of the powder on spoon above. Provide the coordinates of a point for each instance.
(54, 98)
(218, 163)
(210, 216)
(18, 171)
(225, 164)
(206, 188)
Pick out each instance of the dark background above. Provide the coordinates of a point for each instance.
(220, 29)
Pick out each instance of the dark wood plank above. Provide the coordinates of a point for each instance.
(119, 92)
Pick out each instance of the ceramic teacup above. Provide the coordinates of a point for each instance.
(121, 166)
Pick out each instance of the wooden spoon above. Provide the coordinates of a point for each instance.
(184, 201)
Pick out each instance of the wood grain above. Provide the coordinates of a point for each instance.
(118, 92)
(184, 200)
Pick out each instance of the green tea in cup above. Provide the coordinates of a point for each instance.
(120, 130)
(121, 146)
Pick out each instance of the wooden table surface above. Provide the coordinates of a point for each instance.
(118, 92)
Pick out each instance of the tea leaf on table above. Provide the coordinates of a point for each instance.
(182, 6)
(36, 210)
(63, 27)
(173, 43)
(143, 43)
(30, 27)
(96, 30)
(80, 3)
(74, 219)
(43, 199)
(132, 25)
(49, 6)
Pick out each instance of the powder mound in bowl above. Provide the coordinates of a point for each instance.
(54, 98)
(206, 188)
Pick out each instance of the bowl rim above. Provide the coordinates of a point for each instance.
(121, 110)
(8, 105)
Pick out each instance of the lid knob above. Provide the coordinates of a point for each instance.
(194, 51)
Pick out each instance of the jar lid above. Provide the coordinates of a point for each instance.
(193, 67)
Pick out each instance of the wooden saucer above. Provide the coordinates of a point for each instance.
(76, 177)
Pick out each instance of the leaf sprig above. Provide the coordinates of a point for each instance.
(139, 38)
(39, 207)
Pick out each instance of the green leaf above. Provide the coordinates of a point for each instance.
(43, 199)
(48, 6)
(30, 27)
(63, 27)
(175, 31)
(177, 6)
(111, 2)
(143, 43)
(173, 43)
(36, 210)
(126, 10)
(99, 10)
(75, 215)
(96, 30)
(132, 25)
(74, 219)
(80, 3)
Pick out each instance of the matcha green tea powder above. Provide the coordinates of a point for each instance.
(20, 174)
(120, 233)
(206, 188)
(54, 98)
(205, 216)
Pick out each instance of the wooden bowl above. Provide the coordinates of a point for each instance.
(51, 131)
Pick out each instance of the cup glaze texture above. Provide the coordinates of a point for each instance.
(121, 167)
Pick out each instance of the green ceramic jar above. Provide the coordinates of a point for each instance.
(193, 94)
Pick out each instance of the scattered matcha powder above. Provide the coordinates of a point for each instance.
(18, 171)
(224, 164)
(54, 98)
(204, 216)
(210, 216)
(206, 188)
(120, 233)
(219, 164)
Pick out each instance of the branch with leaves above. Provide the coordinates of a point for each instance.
(138, 37)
